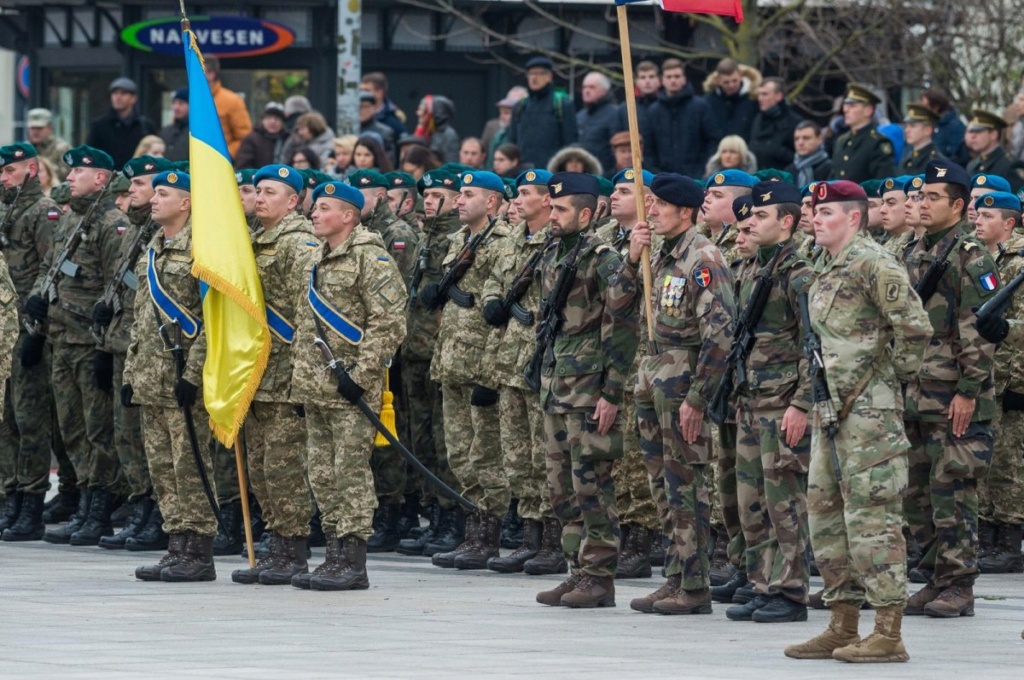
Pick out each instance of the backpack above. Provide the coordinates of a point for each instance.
(560, 98)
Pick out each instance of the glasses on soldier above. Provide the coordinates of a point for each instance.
(932, 197)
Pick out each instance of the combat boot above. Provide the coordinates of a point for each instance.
(62, 534)
(12, 509)
(229, 543)
(916, 604)
(61, 507)
(416, 545)
(512, 526)
(351, 575)
(385, 536)
(409, 518)
(252, 574)
(745, 611)
(451, 532)
(636, 563)
(331, 564)
(151, 536)
(446, 560)
(884, 645)
(591, 592)
(744, 594)
(658, 549)
(914, 552)
(97, 525)
(920, 574)
(841, 632)
(817, 600)
(196, 563)
(512, 564)
(721, 570)
(987, 535)
(141, 509)
(486, 546)
(549, 559)
(668, 589)
(29, 526)
(175, 553)
(1004, 557)
(952, 602)
(291, 562)
(553, 597)
(685, 602)
(725, 592)
(122, 513)
(317, 538)
(780, 609)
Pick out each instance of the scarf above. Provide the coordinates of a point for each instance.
(805, 166)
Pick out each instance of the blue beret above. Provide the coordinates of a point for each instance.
(946, 172)
(628, 175)
(1002, 200)
(285, 174)
(913, 183)
(540, 62)
(892, 184)
(538, 177)
(774, 193)
(173, 179)
(484, 180)
(573, 183)
(990, 182)
(731, 178)
(88, 157)
(807, 190)
(742, 206)
(677, 190)
(341, 192)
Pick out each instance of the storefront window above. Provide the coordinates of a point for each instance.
(76, 98)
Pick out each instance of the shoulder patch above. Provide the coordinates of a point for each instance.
(970, 245)
(609, 268)
(53, 214)
(886, 148)
(702, 277)
(988, 281)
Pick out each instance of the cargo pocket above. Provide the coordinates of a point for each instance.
(879, 484)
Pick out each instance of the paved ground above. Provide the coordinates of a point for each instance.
(79, 613)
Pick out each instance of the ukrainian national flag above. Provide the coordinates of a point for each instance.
(237, 337)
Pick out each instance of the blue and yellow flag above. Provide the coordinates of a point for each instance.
(237, 337)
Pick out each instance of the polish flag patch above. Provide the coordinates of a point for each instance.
(398, 245)
(988, 281)
(53, 214)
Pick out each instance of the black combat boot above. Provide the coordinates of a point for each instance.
(512, 526)
(385, 536)
(780, 609)
(512, 564)
(12, 509)
(658, 545)
(151, 536)
(97, 525)
(252, 574)
(446, 560)
(720, 568)
(122, 513)
(409, 519)
(29, 525)
(1005, 556)
(549, 559)
(175, 553)
(196, 563)
(332, 563)
(62, 534)
(352, 572)
(486, 546)
(726, 591)
(292, 562)
(317, 537)
(231, 542)
(987, 532)
(416, 545)
(142, 508)
(451, 532)
(61, 507)
(637, 562)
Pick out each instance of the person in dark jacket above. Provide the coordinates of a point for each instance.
(265, 144)
(545, 121)
(729, 89)
(648, 89)
(368, 122)
(387, 113)
(949, 132)
(122, 128)
(771, 136)
(682, 134)
(175, 135)
(984, 139)
(811, 162)
(599, 119)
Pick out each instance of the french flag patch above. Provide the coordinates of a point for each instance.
(988, 281)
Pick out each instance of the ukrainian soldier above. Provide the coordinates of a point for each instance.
(873, 333)
(85, 374)
(894, 216)
(874, 227)
(951, 402)
(26, 234)
(862, 153)
(275, 431)
(912, 211)
(165, 364)
(982, 184)
(583, 370)
(1001, 489)
(694, 310)
(352, 301)
(721, 190)
(984, 140)
(918, 128)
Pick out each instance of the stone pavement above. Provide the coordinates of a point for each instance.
(79, 613)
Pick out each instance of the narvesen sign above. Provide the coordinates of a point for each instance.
(220, 36)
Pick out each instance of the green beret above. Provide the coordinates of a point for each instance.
(368, 179)
(773, 175)
(120, 184)
(871, 187)
(61, 193)
(244, 176)
(457, 168)
(146, 165)
(400, 180)
(180, 166)
(511, 192)
(19, 151)
(439, 179)
(605, 186)
(88, 157)
(309, 180)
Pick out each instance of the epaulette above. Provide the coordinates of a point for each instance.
(970, 245)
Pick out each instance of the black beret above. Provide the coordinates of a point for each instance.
(678, 190)
(571, 183)
(742, 207)
(946, 172)
(774, 193)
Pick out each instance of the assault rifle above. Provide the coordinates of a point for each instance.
(820, 394)
(5, 226)
(928, 283)
(422, 261)
(124, 277)
(448, 288)
(552, 316)
(521, 284)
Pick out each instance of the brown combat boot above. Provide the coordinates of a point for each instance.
(549, 559)
(590, 592)
(685, 602)
(841, 632)
(252, 575)
(175, 552)
(916, 603)
(553, 597)
(196, 563)
(668, 589)
(291, 562)
(352, 575)
(952, 602)
(332, 563)
(884, 645)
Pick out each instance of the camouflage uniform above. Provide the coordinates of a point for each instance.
(898, 244)
(471, 432)
(27, 415)
(8, 322)
(274, 432)
(53, 150)
(592, 355)
(859, 303)
(361, 281)
(942, 501)
(694, 307)
(151, 372)
(772, 476)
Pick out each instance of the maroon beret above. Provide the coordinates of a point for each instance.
(838, 191)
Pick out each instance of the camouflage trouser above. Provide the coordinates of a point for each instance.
(857, 525)
(472, 435)
(276, 437)
(772, 493)
(340, 441)
(172, 468)
(725, 472)
(225, 472)
(632, 485)
(426, 425)
(579, 469)
(26, 429)
(85, 415)
(131, 450)
(67, 479)
(524, 452)
(1001, 486)
(942, 498)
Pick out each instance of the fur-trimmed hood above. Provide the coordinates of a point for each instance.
(751, 80)
(590, 162)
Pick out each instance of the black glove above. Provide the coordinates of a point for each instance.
(37, 308)
(495, 313)
(349, 389)
(185, 393)
(126, 396)
(102, 314)
(993, 328)
(300, 410)
(103, 371)
(32, 350)
(429, 295)
(483, 396)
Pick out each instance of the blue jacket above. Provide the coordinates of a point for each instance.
(681, 134)
(949, 138)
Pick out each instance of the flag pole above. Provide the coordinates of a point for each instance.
(243, 491)
(634, 145)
